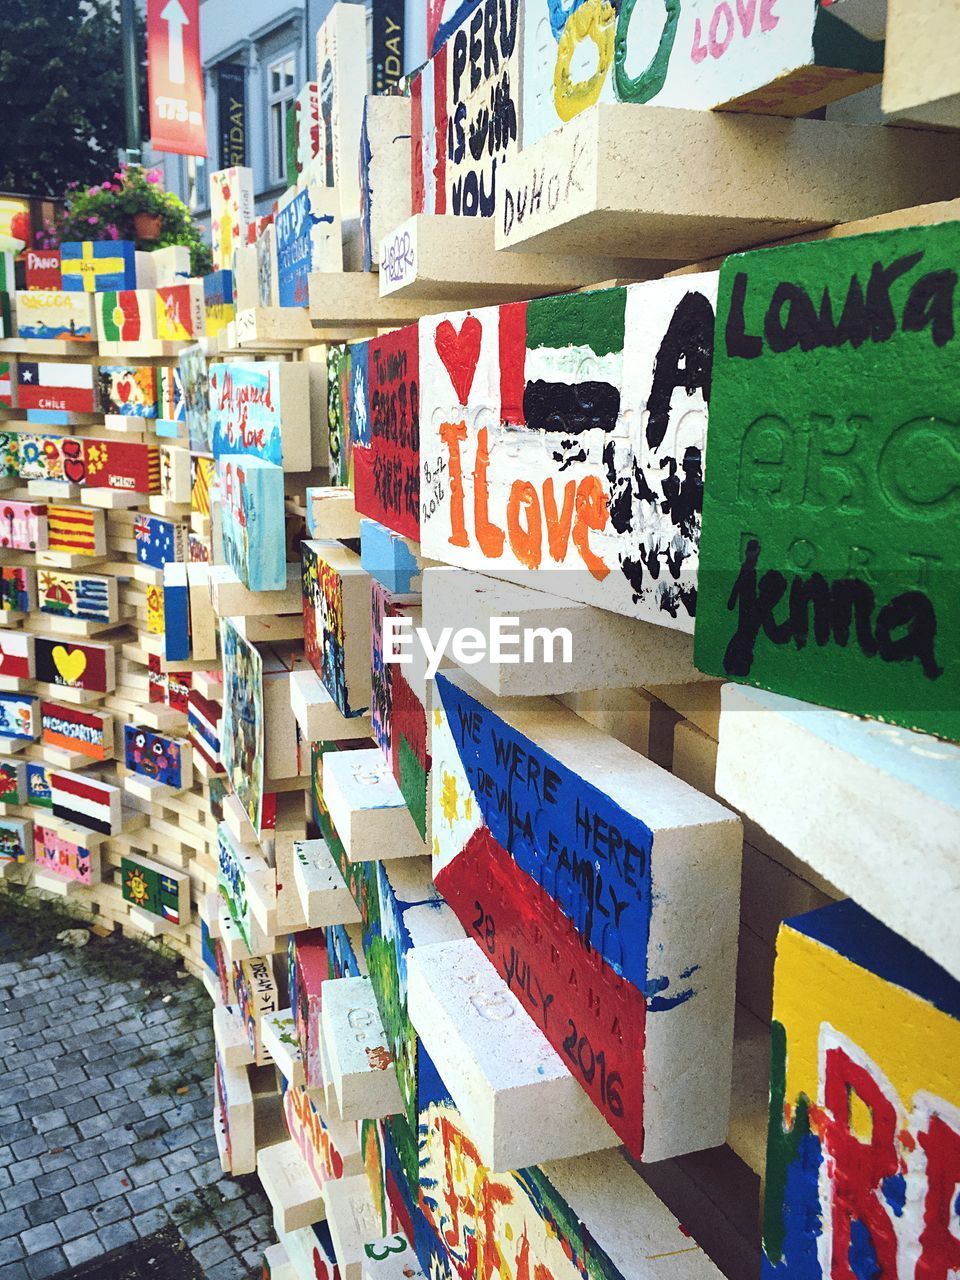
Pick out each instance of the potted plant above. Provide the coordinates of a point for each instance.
(147, 225)
(132, 205)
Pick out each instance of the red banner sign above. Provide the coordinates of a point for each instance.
(176, 77)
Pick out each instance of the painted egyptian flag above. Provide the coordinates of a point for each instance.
(64, 387)
(95, 266)
(91, 804)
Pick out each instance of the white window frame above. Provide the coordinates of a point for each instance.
(279, 99)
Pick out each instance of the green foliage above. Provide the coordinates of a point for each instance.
(61, 85)
(29, 925)
(108, 210)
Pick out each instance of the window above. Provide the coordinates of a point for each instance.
(281, 77)
(198, 197)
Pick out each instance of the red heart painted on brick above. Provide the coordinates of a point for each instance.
(460, 353)
(74, 469)
(124, 387)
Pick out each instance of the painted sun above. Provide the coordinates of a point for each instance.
(137, 885)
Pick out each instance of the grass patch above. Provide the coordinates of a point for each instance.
(29, 926)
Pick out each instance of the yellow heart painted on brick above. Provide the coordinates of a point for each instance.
(71, 664)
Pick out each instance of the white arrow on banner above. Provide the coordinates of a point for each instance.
(175, 18)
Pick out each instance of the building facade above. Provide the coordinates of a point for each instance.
(256, 58)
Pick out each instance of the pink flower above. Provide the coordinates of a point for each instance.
(154, 175)
(92, 191)
(93, 220)
(112, 232)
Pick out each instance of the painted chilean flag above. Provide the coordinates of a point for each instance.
(79, 798)
(65, 387)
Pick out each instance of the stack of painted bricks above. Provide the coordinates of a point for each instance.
(110, 751)
(526, 985)
(501, 976)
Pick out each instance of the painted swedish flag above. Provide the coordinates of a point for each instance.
(91, 266)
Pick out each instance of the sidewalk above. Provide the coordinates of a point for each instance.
(106, 1062)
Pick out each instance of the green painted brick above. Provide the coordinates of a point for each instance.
(833, 467)
(594, 319)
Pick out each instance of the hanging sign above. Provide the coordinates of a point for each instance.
(176, 77)
(232, 113)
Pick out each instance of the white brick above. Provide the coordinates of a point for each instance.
(518, 1101)
(873, 808)
(323, 893)
(317, 715)
(353, 1222)
(367, 807)
(294, 1196)
(279, 1034)
(606, 650)
(361, 1064)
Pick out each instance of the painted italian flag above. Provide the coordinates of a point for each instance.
(120, 313)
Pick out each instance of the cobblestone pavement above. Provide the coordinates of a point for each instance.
(105, 1118)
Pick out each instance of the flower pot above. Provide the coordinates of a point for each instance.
(147, 225)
